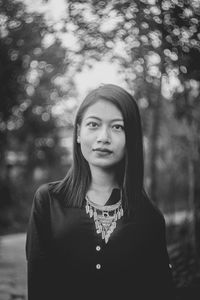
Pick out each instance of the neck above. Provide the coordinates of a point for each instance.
(103, 180)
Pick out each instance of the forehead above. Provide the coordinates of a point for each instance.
(104, 110)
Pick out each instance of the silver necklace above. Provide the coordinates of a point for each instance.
(105, 217)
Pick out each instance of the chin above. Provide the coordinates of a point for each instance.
(104, 165)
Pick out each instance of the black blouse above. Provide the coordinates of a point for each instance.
(67, 259)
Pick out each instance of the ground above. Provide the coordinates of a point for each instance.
(13, 267)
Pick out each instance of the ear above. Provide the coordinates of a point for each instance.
(78, 133)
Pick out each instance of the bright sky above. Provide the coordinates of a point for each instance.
(53, 9)
(102, 72)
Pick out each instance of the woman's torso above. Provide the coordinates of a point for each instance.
(85, 267)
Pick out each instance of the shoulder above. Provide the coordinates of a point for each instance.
(45, 188)
(43, 193)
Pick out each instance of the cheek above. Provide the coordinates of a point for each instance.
(85, 141)
(85, 147)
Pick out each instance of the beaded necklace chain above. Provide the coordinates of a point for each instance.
(105, 217)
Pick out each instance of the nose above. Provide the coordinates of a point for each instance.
(103, 135)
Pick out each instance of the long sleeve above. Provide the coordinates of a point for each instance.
(164, 279)
(37, 245)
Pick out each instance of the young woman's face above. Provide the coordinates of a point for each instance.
(101, 135)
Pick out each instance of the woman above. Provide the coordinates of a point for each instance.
(96, 234)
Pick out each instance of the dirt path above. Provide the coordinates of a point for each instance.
(12, 267)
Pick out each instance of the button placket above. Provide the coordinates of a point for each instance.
(98, 266)
(98, 248)
(98, 251)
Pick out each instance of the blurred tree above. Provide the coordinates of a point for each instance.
(146, 38)
(157, 46)
(32, 59)
(184, 38)
(188, 111)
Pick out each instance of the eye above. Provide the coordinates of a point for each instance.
(92, 124)
(118, 127)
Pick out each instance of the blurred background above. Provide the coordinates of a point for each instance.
(51, 54)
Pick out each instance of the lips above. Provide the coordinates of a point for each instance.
(103, 150)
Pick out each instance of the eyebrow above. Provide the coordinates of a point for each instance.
(113, 120)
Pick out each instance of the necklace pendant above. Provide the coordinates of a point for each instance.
(114, 225)
(106, 239)
(96, 224)
(87, 208)
(118, 214)
(105, 218)
(105, 214)
(91, 212)
(95, 215)
(121, 212)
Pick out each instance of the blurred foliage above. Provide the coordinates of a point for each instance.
(30, 134)
(157, 47)
(155, 43)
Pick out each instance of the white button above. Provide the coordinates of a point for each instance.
(98, 248)
(98, 266)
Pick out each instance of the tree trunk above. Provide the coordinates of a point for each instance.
(196, 164)
(194, 183)
(154, 150)
(191, 208)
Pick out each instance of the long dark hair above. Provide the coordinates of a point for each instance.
(130, 171)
